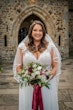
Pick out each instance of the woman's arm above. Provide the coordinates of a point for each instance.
(19, 68)
(54, 63)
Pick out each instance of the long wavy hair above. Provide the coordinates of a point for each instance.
(31, 45)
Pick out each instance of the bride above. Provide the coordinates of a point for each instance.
(38, 47)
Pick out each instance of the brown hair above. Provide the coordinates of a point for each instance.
(42, 45)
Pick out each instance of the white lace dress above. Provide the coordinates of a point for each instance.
(50, 96)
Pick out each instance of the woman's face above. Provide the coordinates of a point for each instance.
(37, 32)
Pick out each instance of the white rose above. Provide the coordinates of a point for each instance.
(33, 75)
(37, 72)
(34, 70)
(39, 68)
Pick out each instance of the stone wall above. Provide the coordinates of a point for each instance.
(54, 14)
(71, 31)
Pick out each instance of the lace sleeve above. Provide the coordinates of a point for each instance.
(56, 58)
(18, 61)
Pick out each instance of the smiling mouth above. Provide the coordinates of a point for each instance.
(37, 36)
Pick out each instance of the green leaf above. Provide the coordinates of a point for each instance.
(47, 86)
(21, 84)
(39, 83)
(23, 78)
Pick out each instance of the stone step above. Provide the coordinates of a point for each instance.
(7, 78)
(7, 72)
(9, 91)
(8, 85)
(9, 107)
(8, 99)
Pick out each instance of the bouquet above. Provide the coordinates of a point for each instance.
(35, 74)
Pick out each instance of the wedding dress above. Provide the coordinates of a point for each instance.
(49, 96)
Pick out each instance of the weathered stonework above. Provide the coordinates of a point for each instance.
(54, 14)
(71, 31)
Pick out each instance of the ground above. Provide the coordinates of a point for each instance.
(9, 87)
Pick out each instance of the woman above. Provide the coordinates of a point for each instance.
(38, 47)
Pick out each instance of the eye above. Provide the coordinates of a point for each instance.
(41, 30)
(34, 29)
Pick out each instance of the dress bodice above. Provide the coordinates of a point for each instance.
(44, 58)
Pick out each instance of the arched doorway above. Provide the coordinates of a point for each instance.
(24, 27)
(39, 13)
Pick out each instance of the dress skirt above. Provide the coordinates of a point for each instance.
(49, 96)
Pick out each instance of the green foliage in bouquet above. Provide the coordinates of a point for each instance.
(35, 74)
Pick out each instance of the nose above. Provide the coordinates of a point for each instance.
(38, 32)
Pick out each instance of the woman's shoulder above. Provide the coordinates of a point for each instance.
(21, 45)
(50, 46)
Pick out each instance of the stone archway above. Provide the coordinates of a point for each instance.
(39, 12)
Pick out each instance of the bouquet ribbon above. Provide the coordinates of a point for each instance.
(37, 98)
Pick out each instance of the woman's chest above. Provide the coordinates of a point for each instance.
(42, 58)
